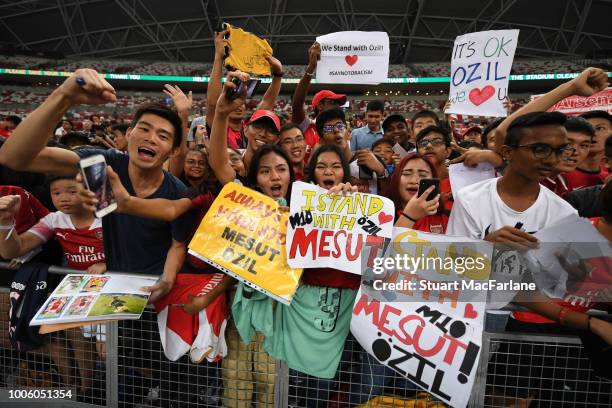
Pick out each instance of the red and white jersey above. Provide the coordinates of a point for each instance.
(82, 247)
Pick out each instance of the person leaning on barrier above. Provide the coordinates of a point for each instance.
(510, 209)
(130, 245)
(154, 135)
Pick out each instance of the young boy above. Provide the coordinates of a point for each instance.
(363, 137)
(585, 200)
(592, 171)
(434, 143)
(579, 135)
(76, 229)
(80, 236)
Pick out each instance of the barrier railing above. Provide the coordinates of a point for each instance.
(121, 364)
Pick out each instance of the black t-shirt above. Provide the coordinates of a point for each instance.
(136, 244)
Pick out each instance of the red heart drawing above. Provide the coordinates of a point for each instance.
(469, 312)
(478, 97)
(351, 59)
(384, 218)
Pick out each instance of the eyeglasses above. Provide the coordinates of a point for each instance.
(295, 141)
(195, 162)
(434, 142)
(332, 128)
(235, 158)
(543, 151)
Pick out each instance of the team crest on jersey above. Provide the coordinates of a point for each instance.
(99, 234)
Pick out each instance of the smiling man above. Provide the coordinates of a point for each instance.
(291, 140)
(262, 128)
(363, 137)
(132, 244)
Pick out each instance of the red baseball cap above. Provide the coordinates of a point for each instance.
(325, 94)
(263, 113)
(477, 128)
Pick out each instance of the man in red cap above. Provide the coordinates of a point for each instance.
(236, 138)
(472, 134)
(262, 128)
(322, 101)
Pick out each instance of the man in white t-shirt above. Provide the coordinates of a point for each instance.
(511, 208)
(514, 206)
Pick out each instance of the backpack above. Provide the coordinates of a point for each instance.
(29, 290)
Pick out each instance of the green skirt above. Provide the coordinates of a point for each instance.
(309, 335)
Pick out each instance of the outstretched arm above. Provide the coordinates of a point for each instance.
(219, 158)
(26, 150)
(269, 98)
(589, 82)
(155, 208)
(183, 104)
(214, 87)
(301, 90)
(546, 307)
(13, 245)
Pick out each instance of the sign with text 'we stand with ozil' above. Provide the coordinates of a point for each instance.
(480, 69)
(243, 234)
(353, 57)
(335, 231)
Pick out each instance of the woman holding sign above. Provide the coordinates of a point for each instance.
(413, 190)
(310, 334)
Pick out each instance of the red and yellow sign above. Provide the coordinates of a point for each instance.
(243, 234)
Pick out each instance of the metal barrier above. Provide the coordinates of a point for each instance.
(133, 372)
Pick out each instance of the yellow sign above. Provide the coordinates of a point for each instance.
(243, 234)
(248, 52)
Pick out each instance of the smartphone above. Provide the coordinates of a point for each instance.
(222, 27)
(399, 150)
(96, 179)
(365, 173)
(251, 85)
(425, 183)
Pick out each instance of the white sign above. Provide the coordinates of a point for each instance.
(353, 57)
(461, 175)
(427, 326)
(335, 231)
(480, 68)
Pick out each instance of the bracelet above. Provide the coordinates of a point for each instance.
(589, 323)
(409, 217)
(562, 315)
(278, 75)
(309, 74)
(9, 228)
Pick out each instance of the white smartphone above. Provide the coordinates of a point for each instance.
(399, 150)
(96, 179)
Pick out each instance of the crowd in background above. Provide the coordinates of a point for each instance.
(169, 161)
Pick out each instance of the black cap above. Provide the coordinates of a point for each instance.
(80, 136)
(396, 117)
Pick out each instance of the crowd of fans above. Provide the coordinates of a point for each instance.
(291, 71)
(169, 169)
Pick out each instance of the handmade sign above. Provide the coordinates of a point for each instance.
(420, 310)
(243, 234)
(461, 175)
(573, 263)
(353, 57)
(248, 52)
(335, 231)
(576, 105)
(480, 68)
